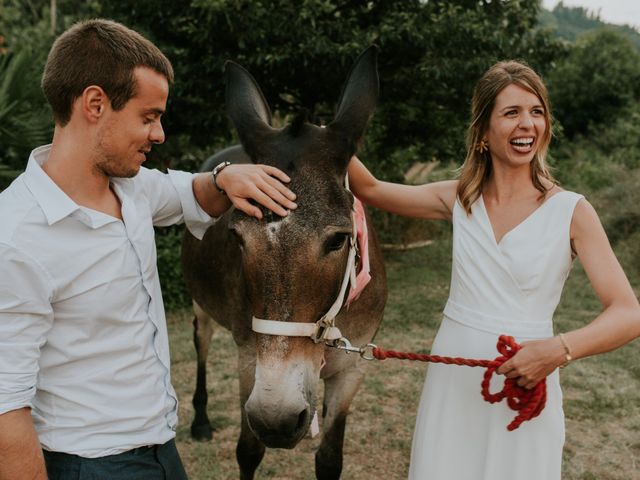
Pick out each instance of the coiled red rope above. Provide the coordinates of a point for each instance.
(528, 403)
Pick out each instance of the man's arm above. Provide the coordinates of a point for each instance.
(20, 453)
(26, 316)
(241, 184)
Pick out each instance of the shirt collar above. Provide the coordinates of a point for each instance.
(55, 204)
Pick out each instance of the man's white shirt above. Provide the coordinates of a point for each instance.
(83, 335)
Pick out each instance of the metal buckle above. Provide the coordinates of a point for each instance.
(322, 328)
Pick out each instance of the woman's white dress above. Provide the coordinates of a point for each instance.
(512, 287)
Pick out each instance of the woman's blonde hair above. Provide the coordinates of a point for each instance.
(476, 168)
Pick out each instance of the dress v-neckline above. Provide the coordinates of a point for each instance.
(518, 225)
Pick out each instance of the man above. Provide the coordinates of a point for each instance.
(85, 383)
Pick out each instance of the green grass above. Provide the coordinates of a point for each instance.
(602, 394)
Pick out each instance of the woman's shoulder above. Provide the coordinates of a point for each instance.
(580, 211)
(585, 221)
(568, 195)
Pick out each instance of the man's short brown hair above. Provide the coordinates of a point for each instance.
(98, 52)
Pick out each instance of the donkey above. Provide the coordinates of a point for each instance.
(288, 270)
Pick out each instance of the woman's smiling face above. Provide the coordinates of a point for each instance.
(517, 126)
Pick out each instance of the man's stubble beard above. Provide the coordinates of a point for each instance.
(110, 167)
(107, 164)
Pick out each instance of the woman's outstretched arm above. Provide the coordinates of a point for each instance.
(433, 201)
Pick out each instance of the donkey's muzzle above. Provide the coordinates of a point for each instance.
(278, 426)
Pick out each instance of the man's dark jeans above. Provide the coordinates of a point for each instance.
(158, 462)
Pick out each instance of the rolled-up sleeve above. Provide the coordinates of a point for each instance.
(26, 316)
(173, 201)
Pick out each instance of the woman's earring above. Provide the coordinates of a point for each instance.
(482, 146)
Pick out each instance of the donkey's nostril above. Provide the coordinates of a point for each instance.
(302, 419)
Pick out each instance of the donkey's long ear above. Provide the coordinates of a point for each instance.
(247, 108)
(358, 99)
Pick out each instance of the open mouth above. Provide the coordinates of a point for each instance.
(522, 144)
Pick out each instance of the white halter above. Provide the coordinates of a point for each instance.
(325, 328)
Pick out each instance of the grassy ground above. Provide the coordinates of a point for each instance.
(602, 395)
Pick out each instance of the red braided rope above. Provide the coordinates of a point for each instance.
(528, 403)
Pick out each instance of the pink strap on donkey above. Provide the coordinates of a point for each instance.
(363, 276)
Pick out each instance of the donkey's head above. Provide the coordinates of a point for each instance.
(294, 266)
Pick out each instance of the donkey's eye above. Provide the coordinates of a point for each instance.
(336, 241)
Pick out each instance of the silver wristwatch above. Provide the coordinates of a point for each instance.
(214, 174)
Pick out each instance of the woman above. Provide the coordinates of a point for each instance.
(515, 234)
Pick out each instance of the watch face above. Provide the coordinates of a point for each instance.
(219, 167)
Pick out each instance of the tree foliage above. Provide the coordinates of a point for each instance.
(300, 52)
(596, 82)
(26, 34)
(24, 122)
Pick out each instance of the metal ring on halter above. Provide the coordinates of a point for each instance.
(366, 352)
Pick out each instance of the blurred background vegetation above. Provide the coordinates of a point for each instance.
(431, 54)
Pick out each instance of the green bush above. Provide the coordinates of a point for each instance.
(604, 165)
(596, 82)
(628, 252)
(619, 205)
(169, 246)
(24, 121)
